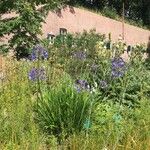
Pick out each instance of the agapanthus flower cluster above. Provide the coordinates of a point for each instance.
(37, 73)
(82, 85)
(118, 67)
(39, 52)
(80, 55)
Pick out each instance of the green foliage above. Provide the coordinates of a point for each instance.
(111, 13)
(25, 26)
(4, 49)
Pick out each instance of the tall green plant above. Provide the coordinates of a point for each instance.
(62, 109)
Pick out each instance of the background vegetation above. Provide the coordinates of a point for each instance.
(137, 11)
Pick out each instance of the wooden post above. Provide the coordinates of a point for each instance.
(1, 63)
(1, 72)
(148, 48)
(123, 36)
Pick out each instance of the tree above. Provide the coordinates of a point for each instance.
(146, 12)
(137, 10)
(26, 26)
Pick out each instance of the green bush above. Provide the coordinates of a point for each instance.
(111, 13)
(4, 49)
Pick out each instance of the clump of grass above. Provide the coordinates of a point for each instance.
(18, 129)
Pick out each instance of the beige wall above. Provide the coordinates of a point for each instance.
(82, 19)
(76, 20)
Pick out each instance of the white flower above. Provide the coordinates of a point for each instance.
(44, 67)
(101, 43)
(104, 148)
(2, 75)
(23, 59)
(95, 84)
(125, 48)
(85, 50)
(88, 86)
(117, 46)
(93, 90)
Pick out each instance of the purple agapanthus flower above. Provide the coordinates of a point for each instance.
(117, 73)
(81, 85)
(80, 55)
(37, 73)
(39, 52)
(118, 67)
(77, 87)
(33, 74)
(33, 56)
(118, 63)
(45, 54)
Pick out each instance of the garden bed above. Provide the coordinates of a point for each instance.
(76, 94)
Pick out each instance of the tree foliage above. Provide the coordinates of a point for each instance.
(134, 9)
(25, 26)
